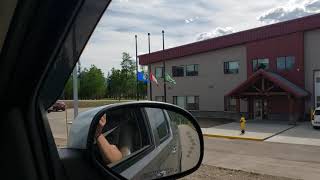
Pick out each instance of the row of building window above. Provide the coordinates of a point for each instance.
(283, 63)
(186, 102)
(179, 71)
(192, 102)
(230, 67)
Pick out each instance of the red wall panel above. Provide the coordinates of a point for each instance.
(289, 45)
(280, 104)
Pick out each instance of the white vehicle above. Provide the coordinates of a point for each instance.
(316, 118)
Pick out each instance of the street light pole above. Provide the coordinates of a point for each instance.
(150, 68)
(164, 69)
(136, 37)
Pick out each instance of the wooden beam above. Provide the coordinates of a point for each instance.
(269, 89)
(277, 93)
(259, 90)
(264, 94)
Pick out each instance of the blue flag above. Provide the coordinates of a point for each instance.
(143, 77)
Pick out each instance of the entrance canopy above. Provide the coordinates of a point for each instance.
(263, 83)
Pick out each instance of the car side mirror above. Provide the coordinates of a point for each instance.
(143, 140)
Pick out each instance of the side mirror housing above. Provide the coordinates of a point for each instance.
(143, 140)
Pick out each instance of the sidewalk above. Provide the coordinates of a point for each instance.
(257, 131)
(303, 134)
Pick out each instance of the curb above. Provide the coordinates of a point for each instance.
(233, 137)
(281, 132)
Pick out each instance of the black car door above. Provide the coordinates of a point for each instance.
(41, 42)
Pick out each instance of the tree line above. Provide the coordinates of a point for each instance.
(119, 83)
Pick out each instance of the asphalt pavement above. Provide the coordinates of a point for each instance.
(278, 159)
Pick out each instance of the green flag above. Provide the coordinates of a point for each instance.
(169, 79)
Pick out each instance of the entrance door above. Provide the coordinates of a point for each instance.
(260, 109)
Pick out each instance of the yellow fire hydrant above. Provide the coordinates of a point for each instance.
(243, 124)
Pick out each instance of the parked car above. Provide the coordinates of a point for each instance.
(57, 106)
(316, 118)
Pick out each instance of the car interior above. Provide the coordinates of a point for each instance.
(125, 131)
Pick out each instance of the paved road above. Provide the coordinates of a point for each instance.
(286, 160)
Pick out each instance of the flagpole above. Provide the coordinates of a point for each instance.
(150, 68)
(164, 70)
(137, 67)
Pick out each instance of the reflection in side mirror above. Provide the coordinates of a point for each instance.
(143, 141)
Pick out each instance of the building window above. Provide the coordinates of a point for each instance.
(177, 71)
(260, 64)
(187, 102)
(285, 62)
(192, 70)
(179, 101)
(160, 98)
(231, 67)
(193, 102)
(159, 72)
(318, 79)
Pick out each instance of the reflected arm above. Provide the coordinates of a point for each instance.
(110, 153)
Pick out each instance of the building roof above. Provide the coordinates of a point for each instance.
(278, 80)
(260, 33)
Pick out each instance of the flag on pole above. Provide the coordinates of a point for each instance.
(142, 77)
(153, 78)
(169, 79)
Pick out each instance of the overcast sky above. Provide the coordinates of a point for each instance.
(184, 21)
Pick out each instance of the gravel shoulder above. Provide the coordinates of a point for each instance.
(206, 172)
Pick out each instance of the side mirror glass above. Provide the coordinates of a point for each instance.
(145, 141)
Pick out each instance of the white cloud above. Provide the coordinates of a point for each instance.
(190, 20)
(182, 20)
(219, 31)
(291, 10)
